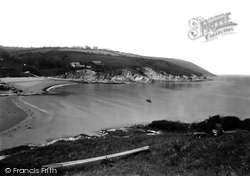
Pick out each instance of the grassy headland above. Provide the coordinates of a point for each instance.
(174, 150)
(19, 62)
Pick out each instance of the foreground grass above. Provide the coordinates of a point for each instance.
(171, 153)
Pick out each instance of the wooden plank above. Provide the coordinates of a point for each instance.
(71, 163)
(230, 132)
(199, 133)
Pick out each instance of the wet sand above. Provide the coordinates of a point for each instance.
(17, 117)
(14, 116)
(21, 125)
(11, 112)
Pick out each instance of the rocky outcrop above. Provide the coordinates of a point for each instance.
(144, 74)
(6, 89)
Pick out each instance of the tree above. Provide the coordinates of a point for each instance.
(87, 47)
(4, 54)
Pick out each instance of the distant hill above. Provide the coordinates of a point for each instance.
(51, 61)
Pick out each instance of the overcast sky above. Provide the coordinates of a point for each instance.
(150, 28)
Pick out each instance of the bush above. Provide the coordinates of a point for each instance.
(231, 123)
(228, 123)
(246, 124)
(206, 125)
(4, 54)
(32, 70)
(169, 126)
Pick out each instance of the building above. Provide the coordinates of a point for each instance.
(76, 64)
(95, 47)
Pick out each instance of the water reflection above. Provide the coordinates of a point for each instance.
(179, 85)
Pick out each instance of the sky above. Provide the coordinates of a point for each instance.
(146, 27)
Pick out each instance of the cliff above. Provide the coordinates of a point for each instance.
(144, 74)
(6, 89)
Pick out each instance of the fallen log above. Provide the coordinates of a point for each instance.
(83, 161)
(230, 132)
(200, 133)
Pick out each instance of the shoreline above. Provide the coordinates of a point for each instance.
(151, 128)
(44, 89)
(26, 108)
(15, 111)
(31, 86)
(47, 89)
(18, 115)
(157, 127)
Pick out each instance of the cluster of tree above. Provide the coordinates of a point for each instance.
(10, 72)
(87, 47)
(43, 60)
(4, 54)
(32, 70)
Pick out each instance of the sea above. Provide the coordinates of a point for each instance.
(87, 108)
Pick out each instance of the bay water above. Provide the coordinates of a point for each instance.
(86, 108)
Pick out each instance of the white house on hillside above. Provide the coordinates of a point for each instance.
(76, 64)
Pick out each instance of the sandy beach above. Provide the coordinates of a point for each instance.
(11, 113)
(17, 117)
(35, 85)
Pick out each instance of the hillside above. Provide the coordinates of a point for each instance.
(188, 65)
(55, 61)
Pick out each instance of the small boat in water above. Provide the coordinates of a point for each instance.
(148, 100)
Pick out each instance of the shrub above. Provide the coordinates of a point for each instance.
(169, 126)
(32, 70)
(231, 123)
(206, 125)
(228, 123)
(246, 124)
